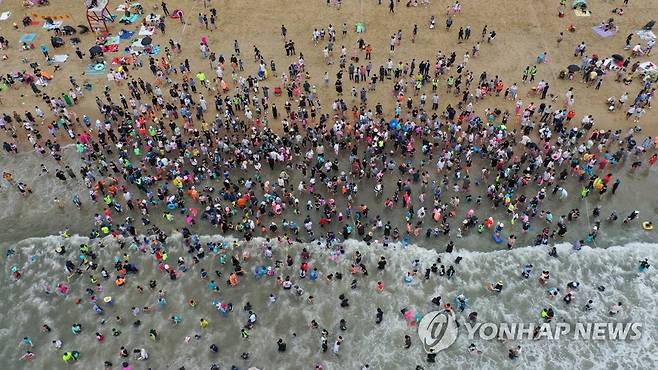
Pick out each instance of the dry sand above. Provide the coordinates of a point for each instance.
(525, 29)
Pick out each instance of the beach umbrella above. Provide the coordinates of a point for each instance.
(95, 50)
(573, 68)
(617, 57)
(649, 26)
(83, 28)
(56, 41)
(394, 124)
(69, 30)
(146, 41)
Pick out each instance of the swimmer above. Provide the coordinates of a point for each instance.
(527, 270)
(472, 349)
(497, 287)
(615, 309)
(379, 316)
(27, 356)
(632, 216)
(547, 314)
(314, 324)
(573, 285)
(281, 345)
(26, 341)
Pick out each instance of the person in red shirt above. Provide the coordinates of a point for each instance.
(570, 115)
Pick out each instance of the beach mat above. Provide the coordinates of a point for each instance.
(120, 60)
(52, 26)
(4, 16)
(646, 35)
(93, 69)
(60, 58)
(125, 35)
(28, 37)
(601, 32)
(580, 13)
(146, 31)
(129, 20)
(113, 40)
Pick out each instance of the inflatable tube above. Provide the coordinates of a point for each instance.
(647, 225)
(497, 238)
(171, 206)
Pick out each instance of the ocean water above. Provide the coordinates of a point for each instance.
(26, 307)
(31, 228)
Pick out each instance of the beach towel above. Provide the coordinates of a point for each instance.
(137, 43)
(120, 60)
(646, 35)
(95, 69)
(113, 48)
(113, 40)
(603, 33)
(28, 37)
(146, 31)
(4, 16)
(60, 58)
(52, 26)
(129, 20)
(125, 35)
(579, 13)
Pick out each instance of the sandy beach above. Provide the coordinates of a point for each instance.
(192, 207)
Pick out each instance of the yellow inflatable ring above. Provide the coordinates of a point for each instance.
(647, 225)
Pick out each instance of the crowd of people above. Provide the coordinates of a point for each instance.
(179, 150)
